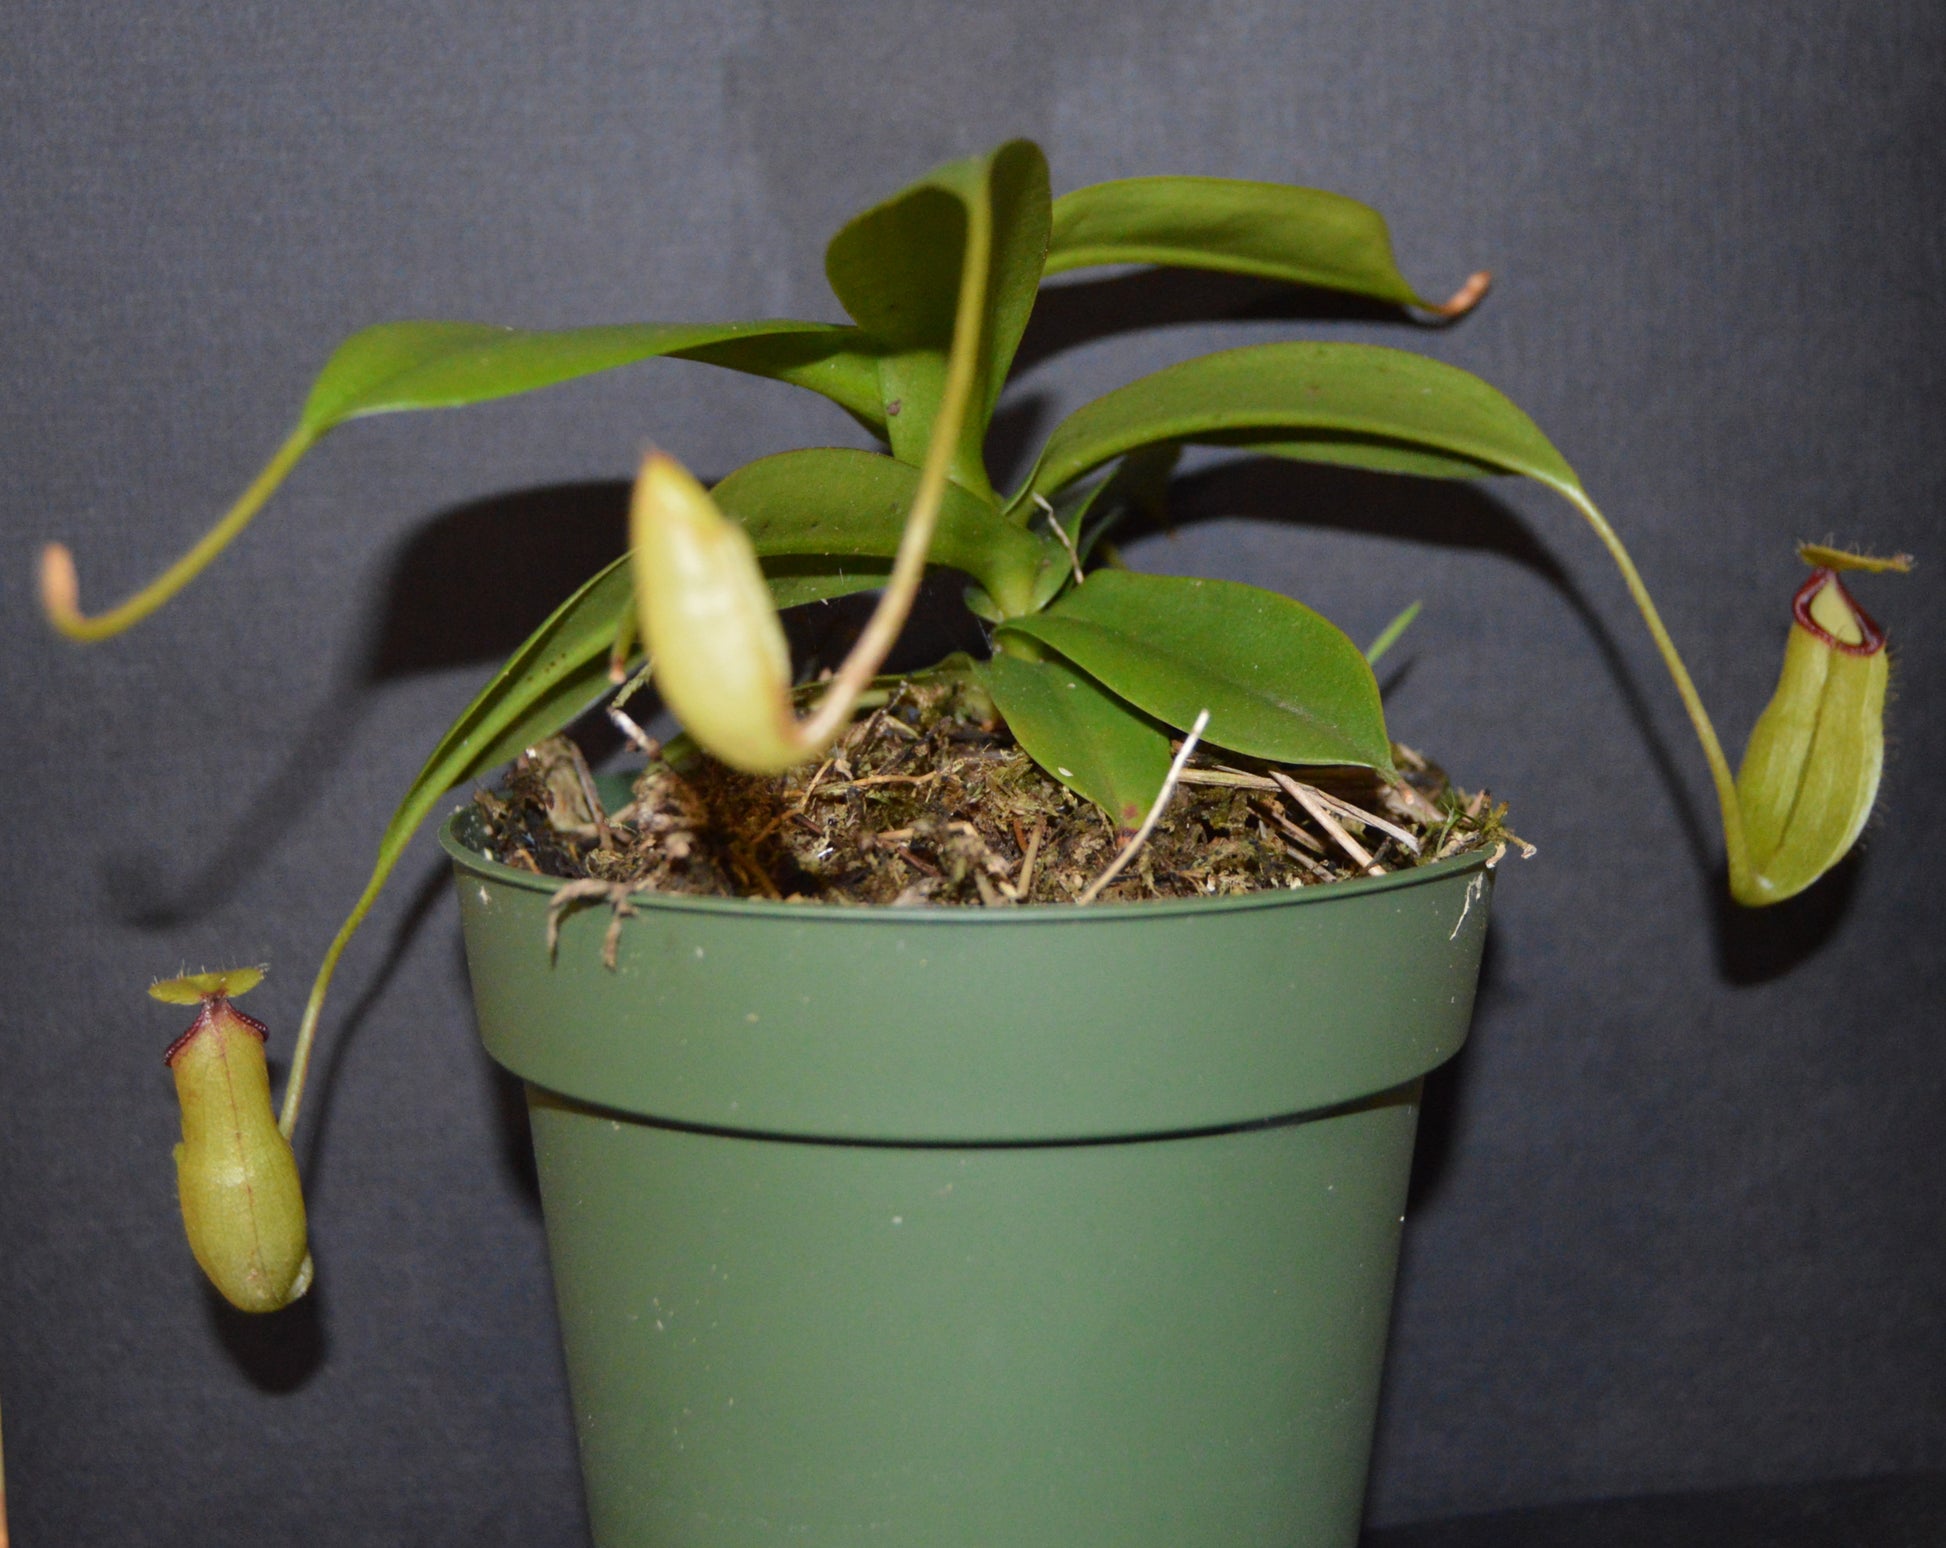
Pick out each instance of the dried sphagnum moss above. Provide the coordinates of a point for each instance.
(923, 801)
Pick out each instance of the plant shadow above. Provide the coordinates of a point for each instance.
(1019, 425)
(1757, 945)
(1444, 514)
(1442, 1099)
(278, 1352)
(468, 586)
(465, 589)
(426, 895)
(473, 583)
(1072, 313)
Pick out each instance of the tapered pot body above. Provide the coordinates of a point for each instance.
(1023, 1227)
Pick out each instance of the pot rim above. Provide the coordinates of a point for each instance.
(1159, 1018)
(477, 861)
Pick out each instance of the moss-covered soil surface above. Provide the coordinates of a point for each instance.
(925, 800)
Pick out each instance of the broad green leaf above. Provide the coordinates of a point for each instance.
(1280, 682)
(838, 366)
(425, 365)
(557, 674)
(422, 365)
(831, 500)
(552, 678)
(1071, 514)
(1303, 236)
(1101, 747)
(560, 670)
(1356, 404)
(796, 579)
(1374, 456)
(896, 269)
(1022, 210)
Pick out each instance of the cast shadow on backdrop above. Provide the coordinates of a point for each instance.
(470, 585)
(1752, 945)
(465, 591)
(276, 1354)
(462, 591)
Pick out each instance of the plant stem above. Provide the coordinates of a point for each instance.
(60, 590)
(307, 1029)
(1719, 765)
(407, 820)
(909, 565)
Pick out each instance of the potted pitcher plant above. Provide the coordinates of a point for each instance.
(975, 1105)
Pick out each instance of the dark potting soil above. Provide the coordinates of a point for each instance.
(929, 800)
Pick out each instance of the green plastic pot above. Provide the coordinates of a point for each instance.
(1042, 1227)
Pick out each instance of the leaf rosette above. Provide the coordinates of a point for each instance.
(1096, 669)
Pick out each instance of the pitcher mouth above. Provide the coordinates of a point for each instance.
(1873, 640)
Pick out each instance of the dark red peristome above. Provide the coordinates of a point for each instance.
(1874, 640)
(213, 1004)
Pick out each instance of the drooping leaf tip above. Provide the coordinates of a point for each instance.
(61, 591)
(1465, 298)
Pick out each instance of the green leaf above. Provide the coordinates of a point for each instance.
(796, 579)
(829, 500)
(1022, 210)
(1355, 404)
(1070, 512)
(838, 365)
(424, 365)
(1302, 236)
(554, 677)
(1374, 456)
(1280, 682)
(560, 670)
(1389, 635)
(1099, 746)
(896, 269)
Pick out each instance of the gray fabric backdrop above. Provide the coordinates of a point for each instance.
(1678, 1217)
